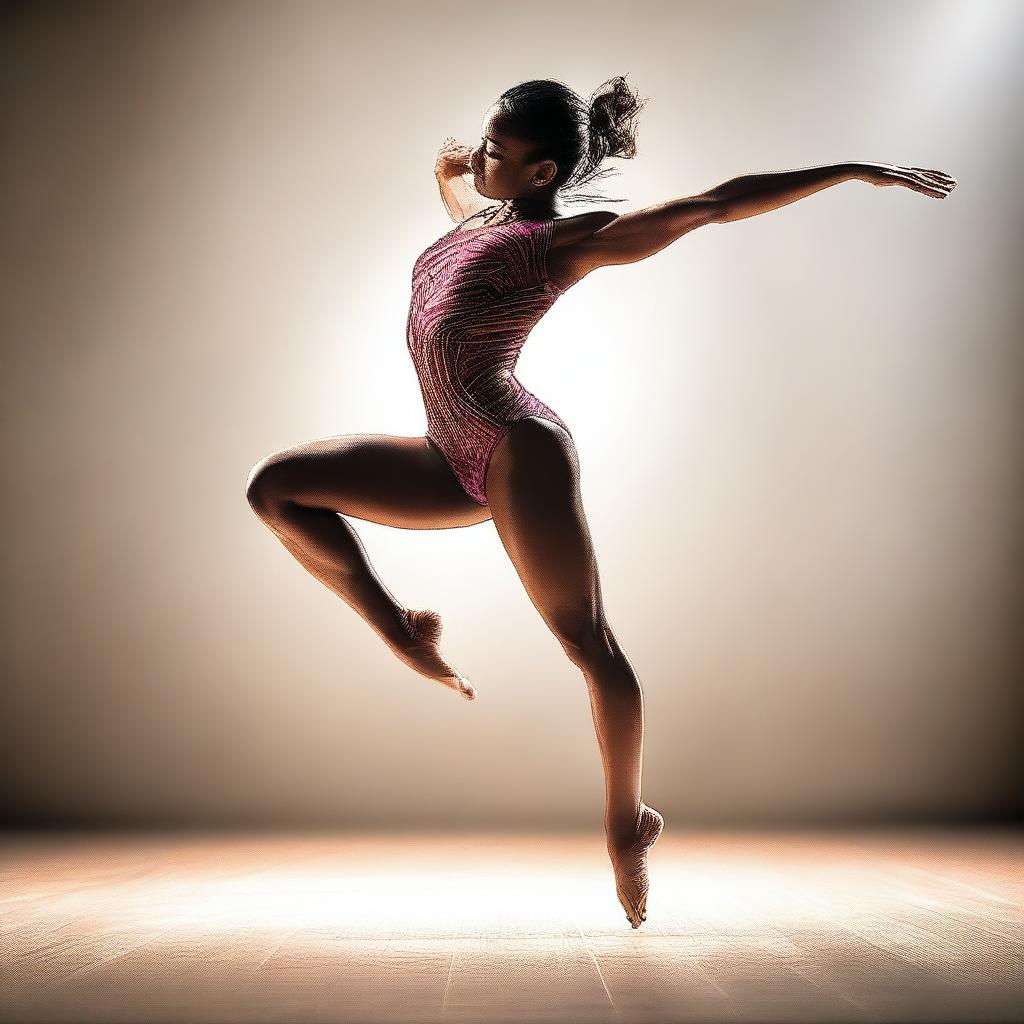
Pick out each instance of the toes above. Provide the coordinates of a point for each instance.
(463, 685)
(636, 913)
(631, 914)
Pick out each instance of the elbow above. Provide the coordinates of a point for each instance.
(716, 210)
(695, 212)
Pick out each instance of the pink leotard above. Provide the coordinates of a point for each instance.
(476, 295)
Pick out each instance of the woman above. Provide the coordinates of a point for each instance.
(492, 449)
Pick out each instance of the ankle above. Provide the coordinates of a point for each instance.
(404, 618)
(621, 833)
(400, 632)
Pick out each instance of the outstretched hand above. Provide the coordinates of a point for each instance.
(936, 184)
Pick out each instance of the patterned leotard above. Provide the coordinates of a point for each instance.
(476, 295)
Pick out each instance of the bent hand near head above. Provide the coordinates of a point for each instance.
(936, 184)
(458, 193)
(453, 159)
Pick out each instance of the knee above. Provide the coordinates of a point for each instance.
(584, 638)
(261, 488)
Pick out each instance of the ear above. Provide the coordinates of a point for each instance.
(545, 173)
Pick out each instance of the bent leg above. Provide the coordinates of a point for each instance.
(301, 493)
(382, 478)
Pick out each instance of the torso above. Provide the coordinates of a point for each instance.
(476, 294)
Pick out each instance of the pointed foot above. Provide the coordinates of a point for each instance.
(422, 652)
(630, 863)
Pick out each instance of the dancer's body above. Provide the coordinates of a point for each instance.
(493, 450)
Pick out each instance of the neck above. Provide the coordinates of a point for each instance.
(531, 207)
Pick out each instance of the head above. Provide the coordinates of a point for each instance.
(540, 141)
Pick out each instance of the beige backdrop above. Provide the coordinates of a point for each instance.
(799, 433)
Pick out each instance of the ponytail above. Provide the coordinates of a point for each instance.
(612, 116)
(614, 109)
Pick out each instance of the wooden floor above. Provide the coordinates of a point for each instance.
(893, 926)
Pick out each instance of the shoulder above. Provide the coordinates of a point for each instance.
(570, 230)
(571, 257)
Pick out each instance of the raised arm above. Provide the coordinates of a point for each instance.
(635, 236)
(460, 198)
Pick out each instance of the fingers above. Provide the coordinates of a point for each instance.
(936, 176)
(451, 145)
(927, 180)
(936, 184)
(942, 175)
(454, 154)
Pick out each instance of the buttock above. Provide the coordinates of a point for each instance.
(550, 417)
(471, 455)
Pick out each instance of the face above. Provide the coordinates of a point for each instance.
(498, 168)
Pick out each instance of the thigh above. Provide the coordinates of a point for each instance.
(533, 491)
(382, 478)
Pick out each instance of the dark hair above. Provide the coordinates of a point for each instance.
(577, 134)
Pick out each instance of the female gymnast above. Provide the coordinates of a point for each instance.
(492, 449)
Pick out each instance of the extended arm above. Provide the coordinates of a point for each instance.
(752, 194)
(635, 236)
